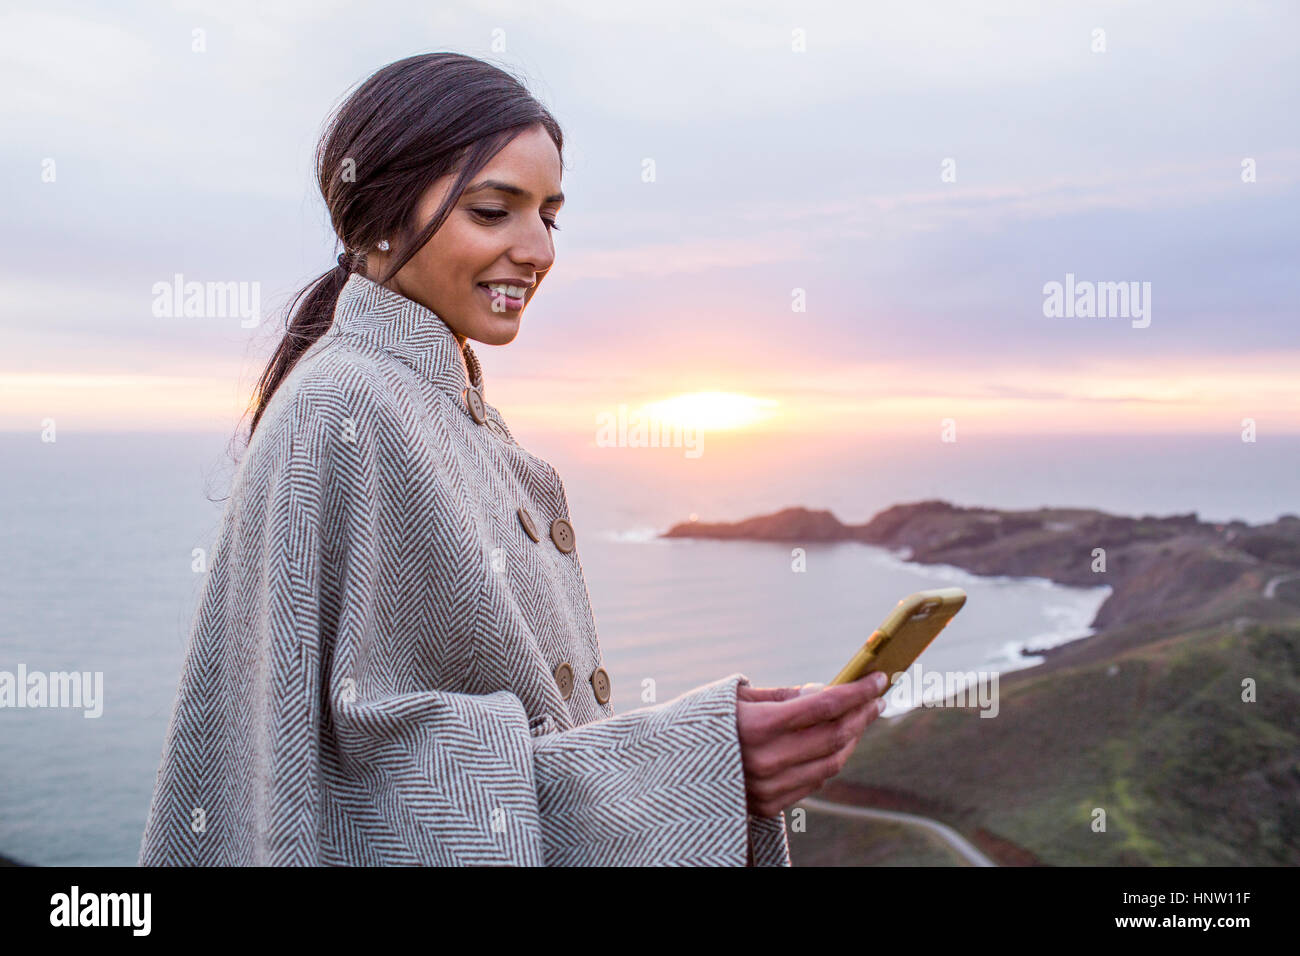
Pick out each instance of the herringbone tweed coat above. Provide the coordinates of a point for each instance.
(374, 670)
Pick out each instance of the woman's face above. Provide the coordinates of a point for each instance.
(492, 235)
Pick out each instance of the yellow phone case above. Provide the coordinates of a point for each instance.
(907, 631)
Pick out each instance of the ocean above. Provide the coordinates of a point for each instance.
(99, 532)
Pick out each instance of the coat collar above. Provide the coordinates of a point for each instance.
(411, 333)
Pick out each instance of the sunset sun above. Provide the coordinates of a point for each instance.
(714, 411)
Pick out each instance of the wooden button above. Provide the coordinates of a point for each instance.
(600, 684)
(496, 429)
(474, 401)
(562, 535)
(530, 526)
(564, 679)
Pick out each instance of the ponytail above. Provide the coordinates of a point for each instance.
(307, 324)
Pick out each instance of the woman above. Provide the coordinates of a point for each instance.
(394, 659)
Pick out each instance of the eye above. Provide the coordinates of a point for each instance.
(494, 215)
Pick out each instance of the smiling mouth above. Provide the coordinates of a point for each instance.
(502, 301)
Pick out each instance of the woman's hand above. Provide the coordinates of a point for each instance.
(792, 740)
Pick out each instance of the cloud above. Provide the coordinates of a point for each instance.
(683, 256)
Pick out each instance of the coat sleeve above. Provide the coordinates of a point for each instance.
(318, 719)
(660, 785)
(657, 785)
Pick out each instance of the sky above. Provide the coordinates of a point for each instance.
(855, 214)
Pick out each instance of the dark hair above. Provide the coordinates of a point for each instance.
(407, 125)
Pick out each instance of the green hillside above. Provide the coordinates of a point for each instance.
(1158, 737)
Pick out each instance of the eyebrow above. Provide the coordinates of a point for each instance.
(509, 188)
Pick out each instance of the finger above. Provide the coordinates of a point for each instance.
(770, 806)
(810, 689)
(799, 782)
(827, 704)
(803, 749)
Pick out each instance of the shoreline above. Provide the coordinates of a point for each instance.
(1159, 570)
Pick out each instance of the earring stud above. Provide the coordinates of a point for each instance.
(383, 245)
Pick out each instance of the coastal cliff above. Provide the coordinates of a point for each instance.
(1179, 719)
(1160, 569)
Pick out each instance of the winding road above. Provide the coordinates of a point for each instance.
(955, 840)
(1270, 589)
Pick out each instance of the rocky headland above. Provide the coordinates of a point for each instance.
(1179, 718)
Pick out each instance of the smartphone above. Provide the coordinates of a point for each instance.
(907, 631)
